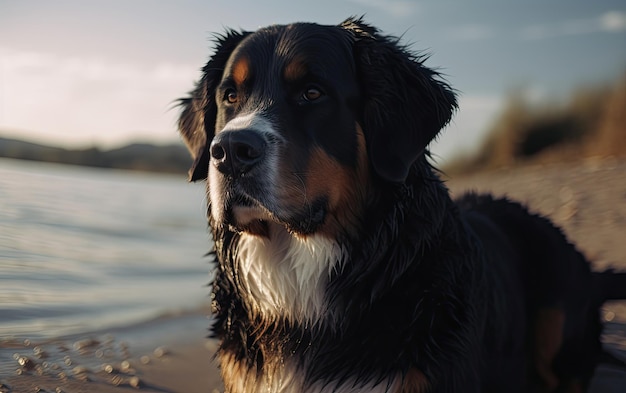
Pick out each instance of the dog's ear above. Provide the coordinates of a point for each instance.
(196, 123)
(404, 103)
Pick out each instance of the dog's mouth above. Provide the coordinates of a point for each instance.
(249, 216)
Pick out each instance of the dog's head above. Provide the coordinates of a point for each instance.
(291, 124)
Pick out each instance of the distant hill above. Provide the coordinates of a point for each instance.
(172, 158)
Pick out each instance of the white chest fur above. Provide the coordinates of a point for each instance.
(284, 377)
(286, 276)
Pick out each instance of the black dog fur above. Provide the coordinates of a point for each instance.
(430, 294)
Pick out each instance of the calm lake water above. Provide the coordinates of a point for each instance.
(84, 249)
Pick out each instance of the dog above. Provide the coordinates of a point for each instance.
(342, 263)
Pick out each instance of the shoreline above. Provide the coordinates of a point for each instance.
(168, 354)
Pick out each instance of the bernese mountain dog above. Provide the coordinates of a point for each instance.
(342, 263)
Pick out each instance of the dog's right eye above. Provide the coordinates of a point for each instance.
(311, 94)
(230, 96)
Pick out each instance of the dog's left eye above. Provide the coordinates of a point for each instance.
(312, 94)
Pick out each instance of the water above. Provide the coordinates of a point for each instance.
(84, 249)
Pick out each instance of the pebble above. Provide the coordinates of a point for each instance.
(80, 370)
(26, 363)
(125, 366)
(144, 359)
(5, 388)
(160, 352)
(85, 343)
(82, 377)
(39, 352)
(108, 368)
(39, 370)
(117, 380)
(134, 382)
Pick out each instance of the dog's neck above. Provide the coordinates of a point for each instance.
(284, 276)
(285, 298)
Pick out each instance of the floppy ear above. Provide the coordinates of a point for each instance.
(404, 103)
(196, 123)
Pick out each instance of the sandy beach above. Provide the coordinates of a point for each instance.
(165, 355)
(171, 354)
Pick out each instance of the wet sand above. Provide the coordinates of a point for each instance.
(172, 355)
(166, 355)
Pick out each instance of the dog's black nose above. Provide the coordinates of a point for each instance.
(237, 152)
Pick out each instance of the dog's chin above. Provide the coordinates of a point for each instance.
(254, 220)
(259, 221)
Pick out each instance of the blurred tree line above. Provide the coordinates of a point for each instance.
(591, 123)
(139, 156)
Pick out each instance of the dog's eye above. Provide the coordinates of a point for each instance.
(230, 96)
(312, 94)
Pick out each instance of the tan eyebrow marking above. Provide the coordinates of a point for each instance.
(241, 70)
(296, 69)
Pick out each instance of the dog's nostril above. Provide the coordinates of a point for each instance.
(218, 152)
(237, 152)
(247, 153)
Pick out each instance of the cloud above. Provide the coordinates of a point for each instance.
(395, 8)
(89, 100)
(613, 21)
(609, 22)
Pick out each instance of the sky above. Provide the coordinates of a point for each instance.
(80, 73)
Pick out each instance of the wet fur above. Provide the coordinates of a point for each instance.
(364, 275)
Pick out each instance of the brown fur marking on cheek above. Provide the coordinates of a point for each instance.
(326, 177)
(241, 70)
(344, 187)
(414, 382)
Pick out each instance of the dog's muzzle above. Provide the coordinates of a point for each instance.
(235, 153)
